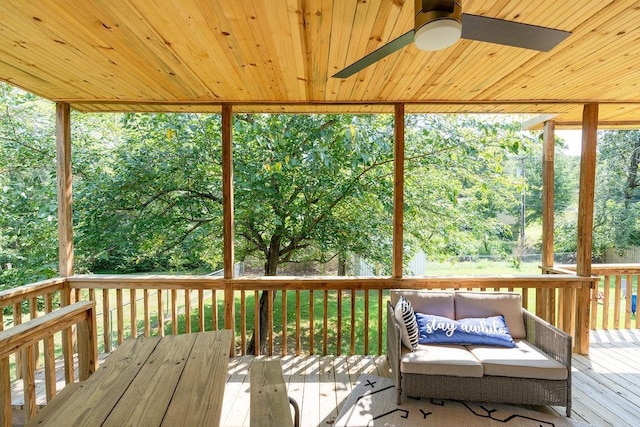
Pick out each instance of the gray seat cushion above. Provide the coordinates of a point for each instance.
(452, 360)
(523, 361)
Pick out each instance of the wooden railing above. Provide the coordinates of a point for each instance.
(326, 315)
(24, 339)
(612, 304)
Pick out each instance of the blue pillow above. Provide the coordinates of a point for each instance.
(469, 331)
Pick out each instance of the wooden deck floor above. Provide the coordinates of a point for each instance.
(606, 384)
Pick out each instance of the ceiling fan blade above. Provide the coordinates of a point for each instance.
(376, 55)
(510, 33)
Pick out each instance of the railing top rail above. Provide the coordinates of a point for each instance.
(26, 292)
(34, 330)
(326, 282)
(601, 269)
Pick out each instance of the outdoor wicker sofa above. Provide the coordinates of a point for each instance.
(520, 375)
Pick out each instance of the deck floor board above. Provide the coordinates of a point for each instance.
(606, 384)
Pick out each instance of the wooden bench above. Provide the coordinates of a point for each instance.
(23, 337)
(269, 404)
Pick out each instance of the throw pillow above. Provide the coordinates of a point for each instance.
(408, 326)
(470, 331)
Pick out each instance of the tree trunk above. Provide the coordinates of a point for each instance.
(342, 266)
(270, 269)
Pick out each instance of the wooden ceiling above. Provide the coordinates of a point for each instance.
(279, 55)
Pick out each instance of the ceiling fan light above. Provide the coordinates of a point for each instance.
(438, 34)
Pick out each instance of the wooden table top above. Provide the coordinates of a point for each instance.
(175, 380)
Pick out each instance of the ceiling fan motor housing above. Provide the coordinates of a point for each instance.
(433, 10)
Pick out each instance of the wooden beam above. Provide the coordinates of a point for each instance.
(65, 222)
(227, 219)
(65, 193)
(398, 190)
(545, 302)
(585, 224)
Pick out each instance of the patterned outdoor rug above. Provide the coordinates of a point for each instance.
(373, 403)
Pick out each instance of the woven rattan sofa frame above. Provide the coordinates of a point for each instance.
(554, 342)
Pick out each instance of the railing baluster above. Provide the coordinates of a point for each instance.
(160, 313)
(243, 323)
(380, 317)
(605, 305)
(256, 324)
(174, 311)
(270, 322)
(325, 329)
(29, 381)
(106, 321)
(214, 310)
(147, 314)
(594, 308)
(187, 311)
(352, 344)
(17, 320)
(200, 310)
(49, 356)
(637, 280)
(33, 312)
(120, 314)
(366, 322)
(311, 321)
(284, 322)
(298, 331)
(617, 299)
(339, 320)
(133, 313)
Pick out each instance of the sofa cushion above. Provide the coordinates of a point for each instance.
(486, 304)
(469, 331)
(438, 303)
(406, 318)
(523, 361)
(452, 360)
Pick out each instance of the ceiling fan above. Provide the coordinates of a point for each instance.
(440, 23)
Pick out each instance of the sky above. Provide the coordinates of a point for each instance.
(573, 139)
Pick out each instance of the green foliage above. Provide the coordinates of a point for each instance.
(617, 207)
(312, 187)
(456, 186)
(151, 199)
(147, 188)
(28, 206)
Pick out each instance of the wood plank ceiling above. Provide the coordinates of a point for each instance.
(279, 55)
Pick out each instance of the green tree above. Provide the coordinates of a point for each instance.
(28, 205)
(456, 185)
(150, 197)
(617, 207)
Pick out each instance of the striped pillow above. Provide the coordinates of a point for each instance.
(408, 325)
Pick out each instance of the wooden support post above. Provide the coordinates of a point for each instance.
(227, 218)
(585, 225)
(65, 221)
(398, 190)
(545, 299)
(88, 345)
(6, 410)
(65, 181)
